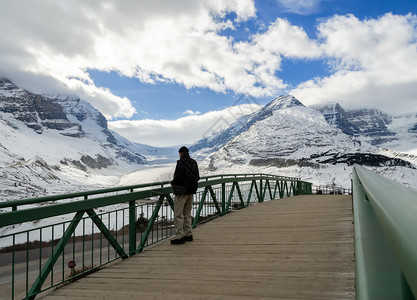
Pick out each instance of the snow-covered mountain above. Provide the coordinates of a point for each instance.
(55, 139)
(381, 129)
(59, 129)
(285, 128)
(213, 143)
(302, 141)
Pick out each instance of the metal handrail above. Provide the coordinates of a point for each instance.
(54, 209)
(27, 201)
(385, 236)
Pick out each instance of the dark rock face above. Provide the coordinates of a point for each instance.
(97, 163)
(132, 157)
(36, 111)
(75, 163)
(283, 163)
(101, 162)
(336, 115)
(83, 111)
(413, 129)
(70, 117)
(370, 123)
(46, 108)
(366, 159)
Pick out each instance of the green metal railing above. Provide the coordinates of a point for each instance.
(385, 237)
(330, 190)
(90, 229)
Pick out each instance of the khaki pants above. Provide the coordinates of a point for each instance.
(182, 215)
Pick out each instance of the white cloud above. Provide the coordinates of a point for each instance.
(302, 7)
(155, 41)
(190, 112)
(283, 39)
(374, 63)
(265, 51)
(186, 130)
(50, 45)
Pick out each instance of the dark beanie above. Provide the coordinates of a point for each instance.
(183, 149)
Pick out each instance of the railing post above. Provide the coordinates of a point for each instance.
(132, 228)
(250, 194)
(214, 198)
(297, 188)
(275, 189)
(229, 200)
(242, 203)
(261, 191)
(200, 207)
(223, 198)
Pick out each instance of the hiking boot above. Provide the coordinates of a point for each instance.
(177, 241)
(188, 238)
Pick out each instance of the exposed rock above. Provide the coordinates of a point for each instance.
(336, 115)
(36, 111)
(98, 163)
(70, 117)
(367, 159)
(283, 163)
(368, 123)
(132, 157)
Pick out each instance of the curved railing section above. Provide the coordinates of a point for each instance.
(385, 215)
(52, 240)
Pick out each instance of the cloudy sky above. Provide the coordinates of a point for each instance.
(168, 72)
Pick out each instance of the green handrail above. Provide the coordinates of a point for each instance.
(30, 214)
(385, 237)
(243, 177)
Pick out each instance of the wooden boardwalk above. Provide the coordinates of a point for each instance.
(294, 248)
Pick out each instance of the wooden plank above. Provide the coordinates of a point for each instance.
(298, 247)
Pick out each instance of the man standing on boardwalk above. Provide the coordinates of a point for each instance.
(184, 185)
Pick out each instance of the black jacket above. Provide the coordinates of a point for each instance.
(186, 176)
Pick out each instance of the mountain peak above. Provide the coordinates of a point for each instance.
(4, 80)
(6, 85)
(282, 102)
(279, 103)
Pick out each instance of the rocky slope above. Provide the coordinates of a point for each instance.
(51, 138)
(378, 128)
(69, 121)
